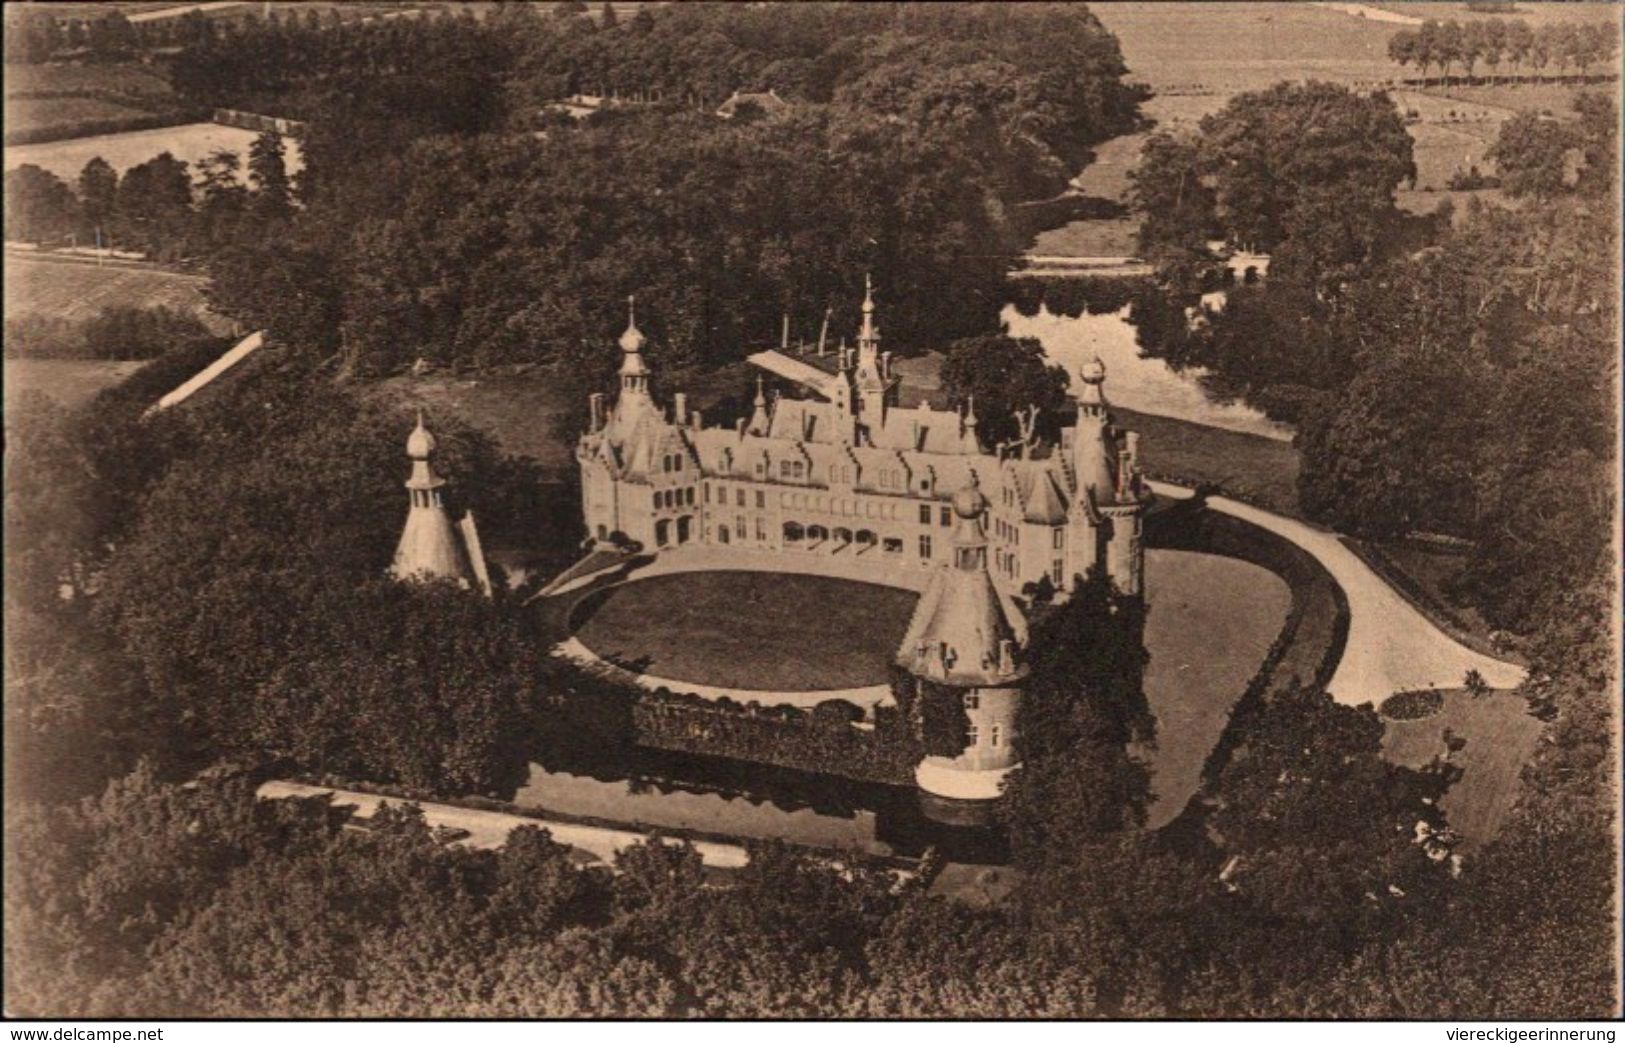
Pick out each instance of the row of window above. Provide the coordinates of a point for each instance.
(665, 498)
(671, 462)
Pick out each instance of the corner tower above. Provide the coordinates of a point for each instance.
(1104, 521)
(966, 642)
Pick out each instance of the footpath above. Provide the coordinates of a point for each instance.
(1392, 647)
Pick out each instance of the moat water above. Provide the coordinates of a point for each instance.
(1135, 381)
(1210, 622)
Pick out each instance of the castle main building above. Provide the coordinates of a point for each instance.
(848, 471)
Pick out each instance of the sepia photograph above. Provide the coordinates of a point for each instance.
(813, 511)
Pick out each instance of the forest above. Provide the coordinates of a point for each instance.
(198, 596)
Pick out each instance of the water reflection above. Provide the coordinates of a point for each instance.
(669, 790)
(1146, 385)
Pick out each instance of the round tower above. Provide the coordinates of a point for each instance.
(431, 547)
(967, 641)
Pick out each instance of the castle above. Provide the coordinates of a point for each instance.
(849, 471)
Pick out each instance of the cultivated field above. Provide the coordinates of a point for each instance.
(32, 114)
(1535, 13)
(1500, 737)
(1228, 47)
(189, 143)
(78, 290)
(1196, 56)
(71, 382)
(129, 78)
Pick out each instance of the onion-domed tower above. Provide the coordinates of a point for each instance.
(969, 638)
(432, 546)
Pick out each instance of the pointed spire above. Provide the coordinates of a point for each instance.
(760, 422)
(868, 336)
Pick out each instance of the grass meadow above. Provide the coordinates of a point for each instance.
(76, 290)
(1500, 736)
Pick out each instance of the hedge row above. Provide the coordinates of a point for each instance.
(823, 740)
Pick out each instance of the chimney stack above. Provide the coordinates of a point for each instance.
(699, 422)
(784, 333)
(595, 403)
(680, 405)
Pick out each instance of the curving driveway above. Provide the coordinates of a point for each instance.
(1391, 646)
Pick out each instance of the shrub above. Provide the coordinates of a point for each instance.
(1412, 706)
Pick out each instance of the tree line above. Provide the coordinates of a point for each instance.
(1382, 335)
(159, 208)
(451, 212)
(35, 34)
(1567, 49)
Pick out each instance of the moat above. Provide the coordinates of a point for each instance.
(1203, 650)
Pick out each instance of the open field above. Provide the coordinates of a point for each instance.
(189, 143)
(71, 382)
(772, 631)
(1242, 46)
(1536, 14)
(129, 78)
(1500, 736)
(1211, 622)
(76, 290)
(34, 114)
(1556, 99)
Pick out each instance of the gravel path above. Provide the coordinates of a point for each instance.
(1391, 646)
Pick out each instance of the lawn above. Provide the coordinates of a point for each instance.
(189, 142)
(769, 631)
(1500, 737)
(71, 382)
(1111, 237)
(77, 290)
(1211, 622)
(1263, 471)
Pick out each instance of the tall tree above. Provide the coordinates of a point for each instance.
(268, 173)
(98, 194)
